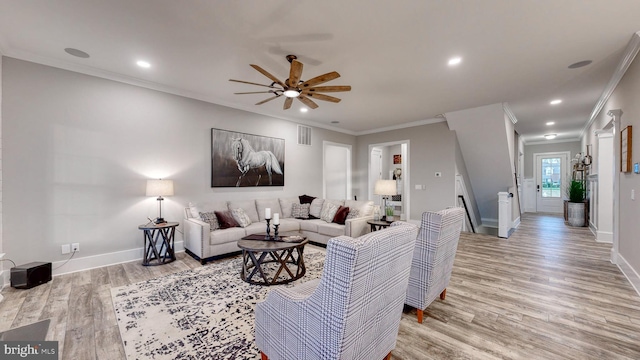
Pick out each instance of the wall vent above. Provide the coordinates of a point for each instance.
(304, 135)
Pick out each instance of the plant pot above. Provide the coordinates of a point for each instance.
(575, 213)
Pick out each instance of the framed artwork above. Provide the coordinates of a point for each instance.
(397, 159)
(239, 159)
(625, 149)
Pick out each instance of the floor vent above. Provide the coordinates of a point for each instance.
(304, 135)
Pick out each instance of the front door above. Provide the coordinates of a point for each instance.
(551, 181)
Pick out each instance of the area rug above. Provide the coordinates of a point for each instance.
(204, 313)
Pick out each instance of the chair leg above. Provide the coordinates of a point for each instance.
(388, 357)
(443, 294)
(263, 356)
(419, 315)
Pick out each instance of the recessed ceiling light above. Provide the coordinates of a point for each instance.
(550, 136)
(304, 109)
(76, 53)
(580, 64)
(143, 64)
(455, 61)
(550, 122)
(555, 102)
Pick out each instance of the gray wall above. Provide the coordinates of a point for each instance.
(625, 97)
(529, 150)
(431, 149)
(79, 149)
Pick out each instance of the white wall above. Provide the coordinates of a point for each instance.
(573, 146)
(1, 229)
(336, 164)
(79, 149)
(431, 149)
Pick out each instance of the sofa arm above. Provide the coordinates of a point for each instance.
(358, 226)
(196, 237)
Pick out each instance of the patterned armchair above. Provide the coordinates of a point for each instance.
(433, 257)
(352, 312)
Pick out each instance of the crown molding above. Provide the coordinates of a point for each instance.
(510, 114)
(627, 59)
(547, 142)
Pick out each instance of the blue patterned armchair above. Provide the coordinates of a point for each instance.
(352, 312)
(433, 257)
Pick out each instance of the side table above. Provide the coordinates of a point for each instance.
(158, 235)
(378, 224)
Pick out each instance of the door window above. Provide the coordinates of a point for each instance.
(551, 177)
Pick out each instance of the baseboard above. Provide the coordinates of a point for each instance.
(604, 236)
(490, 223)
(515, 223)
(96, 261)
(629, 272)
(593, 228)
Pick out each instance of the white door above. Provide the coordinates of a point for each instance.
(375, 173)
(551, 179)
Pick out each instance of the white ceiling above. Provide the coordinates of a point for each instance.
(393, 53)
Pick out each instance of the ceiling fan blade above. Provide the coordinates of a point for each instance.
(295, 73)
(251, 83)
(255, 92)
(269, 99)
(287, 103)
(323, 97)
(265, 73)
(307, 101)
(328, 88)
(319, 79)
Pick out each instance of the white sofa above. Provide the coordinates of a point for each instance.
(204, 245)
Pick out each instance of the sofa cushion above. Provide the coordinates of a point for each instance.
(225, 219)
(249, 207)
(288, 225)
(331, 229)
(256, 228)
(311, 225)
(300, 211)
(316, 208)
(211, 218)
(353, 213)
(272, 204)
(329, 211)
(226, 235)
(241, 217)
(286, 205)
(341, 215)
(365, 207)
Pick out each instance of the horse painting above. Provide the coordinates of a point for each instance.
(247, 159)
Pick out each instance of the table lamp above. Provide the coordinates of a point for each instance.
(385, 188)
(160, 188)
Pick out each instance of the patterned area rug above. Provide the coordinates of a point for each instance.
(204, 313)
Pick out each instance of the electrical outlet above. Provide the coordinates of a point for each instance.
(75, 247)
(66, 249)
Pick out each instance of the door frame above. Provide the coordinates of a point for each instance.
(567, 157)
(406, 173)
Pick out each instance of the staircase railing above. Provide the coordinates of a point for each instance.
(464, 204)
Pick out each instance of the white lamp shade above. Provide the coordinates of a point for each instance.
(385, 187)
(160, 187)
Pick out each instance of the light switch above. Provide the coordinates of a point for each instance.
(633, 194)
(418, 187)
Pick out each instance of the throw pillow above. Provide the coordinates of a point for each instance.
(306, 199)
(195, 212)
(211, 218)
(353, 213)
(300, 211)
(241, 217)
(328, 212)
(341, 215)
(316, 208)
(225, 219)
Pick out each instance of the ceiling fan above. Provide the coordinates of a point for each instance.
(293, 87)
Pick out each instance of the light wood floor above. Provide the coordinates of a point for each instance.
(548, 292)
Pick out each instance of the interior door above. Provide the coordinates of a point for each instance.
(375, 173)
(551, 181)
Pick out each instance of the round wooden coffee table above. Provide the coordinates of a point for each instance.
(272, 262)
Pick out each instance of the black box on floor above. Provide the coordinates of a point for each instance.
(29, 275)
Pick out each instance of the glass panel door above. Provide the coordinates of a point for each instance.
(551, 177)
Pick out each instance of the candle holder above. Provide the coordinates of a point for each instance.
(268, 236)
(275, 230)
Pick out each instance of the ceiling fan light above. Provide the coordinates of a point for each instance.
(291, 93)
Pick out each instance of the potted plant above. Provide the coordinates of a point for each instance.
(576, 205)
